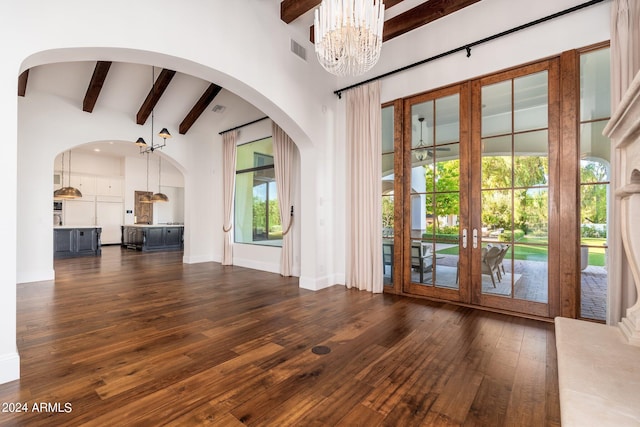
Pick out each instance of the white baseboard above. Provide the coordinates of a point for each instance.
(35, 276)
(315, 284)
(197, 259)
(9, 367)
(257, 265)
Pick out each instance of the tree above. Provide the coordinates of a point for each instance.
(387, 212)
(444, 177)
(530, 171)
(496, 200)
(530, 204)
(593, 202)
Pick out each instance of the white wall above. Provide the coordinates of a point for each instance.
(89, 164)
(171, 211)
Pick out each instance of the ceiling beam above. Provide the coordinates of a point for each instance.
(159, 86)
(22, 83)
(414, 18)
(95, 85)
(390, 3)
(199, 107)
(421, 15)
(290, 10)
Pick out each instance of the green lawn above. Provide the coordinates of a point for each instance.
(597, 254)
(522, 252)
(540, 253)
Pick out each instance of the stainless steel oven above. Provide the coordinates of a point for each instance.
(57, 212)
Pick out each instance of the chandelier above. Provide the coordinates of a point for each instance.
(348, 35)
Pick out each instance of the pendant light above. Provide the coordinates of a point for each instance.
(421, 151)
(68, 192)
(159, 196)
(146, 198)
(164, 133)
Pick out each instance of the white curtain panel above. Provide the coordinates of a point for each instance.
(283, 158)
(625, 63)
(229, 140)
(364, 189)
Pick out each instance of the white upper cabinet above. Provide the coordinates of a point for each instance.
(109, 186)
(85, 183)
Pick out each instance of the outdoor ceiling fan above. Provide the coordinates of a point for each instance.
(422, 151)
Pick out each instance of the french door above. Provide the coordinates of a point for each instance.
(480, 167)
(436, 196)
(514, 189)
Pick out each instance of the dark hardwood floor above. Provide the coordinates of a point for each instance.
(142, 339)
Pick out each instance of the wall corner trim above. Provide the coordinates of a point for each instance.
(9, 367)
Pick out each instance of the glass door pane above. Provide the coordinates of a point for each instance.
(388, 202)
(595, 155)
(512, 256)
(434, 195)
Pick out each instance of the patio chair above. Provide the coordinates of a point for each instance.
(503, 251)
(387, 258)
(489, 262)
(421, 258)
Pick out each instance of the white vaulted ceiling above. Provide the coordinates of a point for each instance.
(124, 90)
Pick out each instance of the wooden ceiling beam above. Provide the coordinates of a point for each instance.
(414, 18)
(95, 85)
(390, 3)
(199, 107)
(421, 15)
(22, 83)
(290, 10)
(154, 96)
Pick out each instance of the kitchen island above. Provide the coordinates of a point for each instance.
(153, 237)
(74, 241)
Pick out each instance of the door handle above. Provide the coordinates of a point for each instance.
(475, 238)
(464, 238)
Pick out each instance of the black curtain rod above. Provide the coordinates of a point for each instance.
(246, 124)
(468, 46)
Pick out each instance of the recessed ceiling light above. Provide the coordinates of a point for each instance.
(97, 150)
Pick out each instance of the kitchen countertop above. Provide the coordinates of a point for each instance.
(71, 227)
(153, 225)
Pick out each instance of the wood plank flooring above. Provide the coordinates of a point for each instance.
(142, 339)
